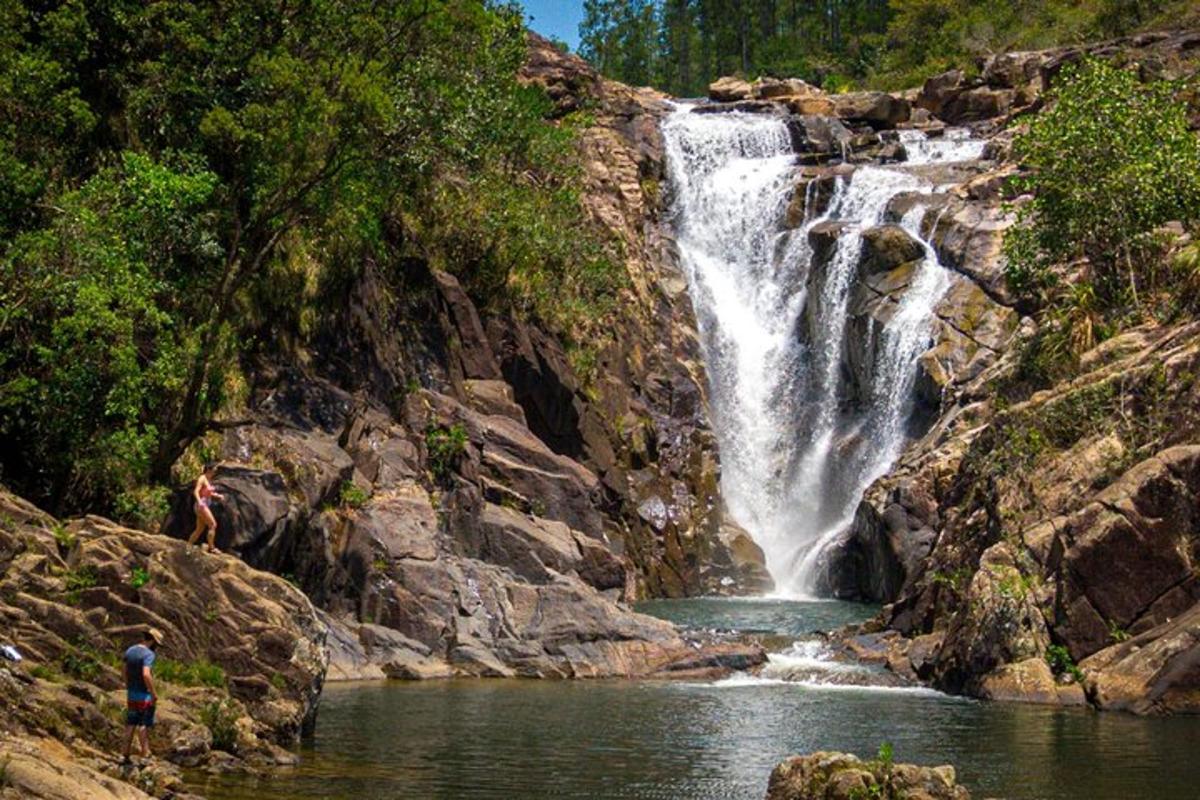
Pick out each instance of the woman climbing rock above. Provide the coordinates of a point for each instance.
(204, 493)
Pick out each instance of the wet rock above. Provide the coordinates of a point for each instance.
(818, 135)
(838, 776)
(886, 247)
(740, 566)
(814, 191)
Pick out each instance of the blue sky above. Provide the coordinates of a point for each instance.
(557, 18)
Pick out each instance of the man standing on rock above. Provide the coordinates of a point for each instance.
(140, 696)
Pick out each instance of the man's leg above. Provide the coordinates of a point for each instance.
(130, 732)
(144, 738)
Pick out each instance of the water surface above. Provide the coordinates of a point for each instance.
(477, 740)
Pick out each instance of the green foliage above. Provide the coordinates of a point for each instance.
(353, 496)
(446, 447)
(1107, 163)
(1061, 663)
(64, 537)
(93, 341)
(77, 580)
(278, 681)
(220, 717)
(190, 673)
(887, 755)
(43, 672)
(144, 507)
(185, 184)
(82, 664)
(682, 45)
(139, 577)
(1116, 633)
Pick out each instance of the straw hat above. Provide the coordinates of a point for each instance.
(154, 634)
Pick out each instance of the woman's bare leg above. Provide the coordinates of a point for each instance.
(211, 522)
(195, 537)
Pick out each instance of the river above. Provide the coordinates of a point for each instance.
(483, 739)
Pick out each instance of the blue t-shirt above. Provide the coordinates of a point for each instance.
(137, 657)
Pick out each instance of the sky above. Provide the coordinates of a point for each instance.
(557, 18)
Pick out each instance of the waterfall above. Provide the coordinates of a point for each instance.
(796, 456)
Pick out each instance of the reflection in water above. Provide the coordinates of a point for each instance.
(695, 741)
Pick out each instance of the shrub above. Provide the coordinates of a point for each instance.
(353, 496)
(220, 717)
(82, 665)
(446, 447)
(190, 673)
(1061, 663)
(1107, 163)
(144, 507)
(139, 577)
(77, 580)
(64, 537)
(43, 672)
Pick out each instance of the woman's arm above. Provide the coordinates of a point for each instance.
(199, 485)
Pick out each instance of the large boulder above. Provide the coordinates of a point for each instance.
(729, 90)
(880, 110)
(1127, 561)
(776, 89)
(1001, 623)
(939, 90)
(822, 136)
(886, 247)
(839, 776)
(1157, 672)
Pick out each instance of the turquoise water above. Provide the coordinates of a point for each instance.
(695, 741)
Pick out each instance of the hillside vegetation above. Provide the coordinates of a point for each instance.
(680, 46)
(184, 186)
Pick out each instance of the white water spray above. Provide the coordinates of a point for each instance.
(796, 456)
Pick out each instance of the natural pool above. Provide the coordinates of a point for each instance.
(696, 741)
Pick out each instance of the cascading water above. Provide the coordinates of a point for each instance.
(795, 458)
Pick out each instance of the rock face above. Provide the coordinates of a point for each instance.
(1065, 564)
(74, 595)
(485, 554)
(1013, 83)
(839, 776)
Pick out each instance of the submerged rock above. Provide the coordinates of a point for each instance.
(840, 776)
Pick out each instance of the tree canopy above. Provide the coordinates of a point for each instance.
(178, 180)
(680, 46)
